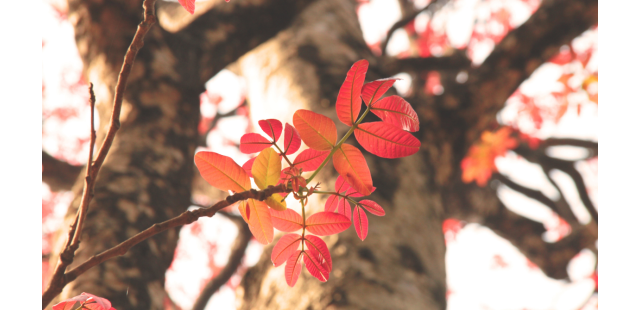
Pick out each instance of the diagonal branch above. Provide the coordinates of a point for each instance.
(456, 61)
(591, 146)
(185, 218)
(237, 253)
(59, 175)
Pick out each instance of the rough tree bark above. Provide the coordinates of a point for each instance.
(147, 177)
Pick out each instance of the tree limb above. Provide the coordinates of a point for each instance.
(591, 146)
(456, 61)
(185, 218)
(59, 175)
(526, 235)
(522, 51)
(237, 253)
(564, 211)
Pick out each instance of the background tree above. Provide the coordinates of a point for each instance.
(294, 54)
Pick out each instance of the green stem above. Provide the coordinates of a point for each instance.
(337, 146)
(337, 194)
(304, 226)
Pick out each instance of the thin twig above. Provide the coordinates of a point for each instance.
(59, 279)
(237, 253)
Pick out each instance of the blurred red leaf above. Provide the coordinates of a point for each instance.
(291, 140)
(287, 220)
(283, 249)
(316, 130)
(372, 91)
(360, 222)
(293, 268)
(386, 140)
(327, 223)
(396, 111)
(91, 302)
(272, 127)
(349, 103)
(310, 159)
(351, 165)
(479, 164)
(189, 5)
(372, 207)
(252, 143)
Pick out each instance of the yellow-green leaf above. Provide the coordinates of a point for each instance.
(266, 168)
(275, 202)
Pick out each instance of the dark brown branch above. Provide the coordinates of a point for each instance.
(59, 175)
(548, 163)
(591, 146)
(564, 212)
(58, 278)
(185, 218)
(405, 20)
(237, 253)
(526, 235)
(456, 61)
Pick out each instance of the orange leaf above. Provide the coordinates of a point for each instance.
(479, 164)
(349, 103)
(352, 166)
(372, 91)
(222, 172)
(316, 130)
(286, 246)
(260, 221)
(266, 168)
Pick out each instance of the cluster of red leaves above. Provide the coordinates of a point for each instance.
(86, 301)
(387, 138)
(190, 5)
(479, 164)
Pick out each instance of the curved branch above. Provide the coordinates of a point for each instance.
(564, 211)
(407, 19)
(591, 146)
(59, 175)
(237, 253)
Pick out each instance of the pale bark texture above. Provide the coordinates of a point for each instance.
(295, 54)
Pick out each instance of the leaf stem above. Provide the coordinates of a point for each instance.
(283, 154)
(337, 146)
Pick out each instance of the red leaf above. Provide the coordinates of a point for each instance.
(92, 302)
(327, 223)
(286, 246)
(398, 112)
(386, 141)
(341, 185)
(287, 220)
(372, 91)
(331, 203)
(319, 250)
(291, 140)
(189, 5)
(248, 165)
(310, 159)
(222, 172)
(260, 221)
(316, 130)
(349, 103)
(315, 268)
(293, 268)
(360, 222)
(344, 208)
(245, 211)
(372, 207)
(252, 143)
(352, 166)
(272, 127)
